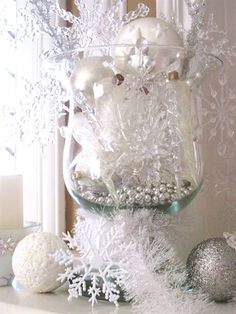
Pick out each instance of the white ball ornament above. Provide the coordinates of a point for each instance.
(87, 72)
(33, 265)
(158, 40)
(154, 30)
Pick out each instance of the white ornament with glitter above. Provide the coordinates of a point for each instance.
(33, 266)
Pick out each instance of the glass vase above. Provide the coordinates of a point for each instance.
(133, 132)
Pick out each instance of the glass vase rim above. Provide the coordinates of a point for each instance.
(64, 54)
(110, 46)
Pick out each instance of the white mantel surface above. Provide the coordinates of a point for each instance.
(19, 301)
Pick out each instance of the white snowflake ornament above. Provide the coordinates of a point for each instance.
(33, 265)
(96, 266)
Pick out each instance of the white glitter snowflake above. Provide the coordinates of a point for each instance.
(7, 245)
(95, 264)
(219, 116)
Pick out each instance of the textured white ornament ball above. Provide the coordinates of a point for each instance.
(32, 264)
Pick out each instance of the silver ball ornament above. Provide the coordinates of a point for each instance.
(211, 267)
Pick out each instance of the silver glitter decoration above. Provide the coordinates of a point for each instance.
(211, 267)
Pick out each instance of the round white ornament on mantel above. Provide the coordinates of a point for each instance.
(33, 265)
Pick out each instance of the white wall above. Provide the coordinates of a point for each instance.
(213, 211)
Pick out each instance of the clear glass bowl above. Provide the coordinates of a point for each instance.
(133, 132)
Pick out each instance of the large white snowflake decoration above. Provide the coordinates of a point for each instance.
(94, 265)
(219, 116)
(131, 252)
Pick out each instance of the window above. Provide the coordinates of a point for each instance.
(43, 187)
